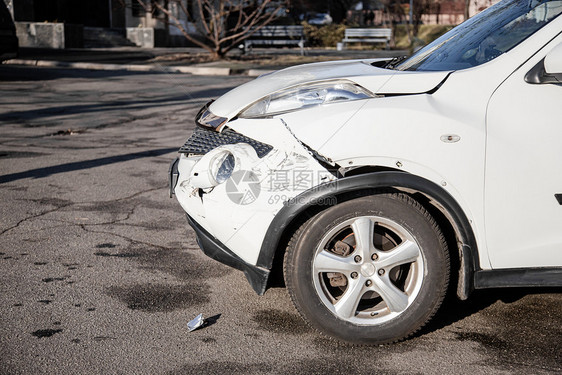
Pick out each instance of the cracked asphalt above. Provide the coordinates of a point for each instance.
(99, 272)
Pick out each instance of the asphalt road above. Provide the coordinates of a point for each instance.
(99, 272)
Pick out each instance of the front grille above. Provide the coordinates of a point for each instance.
(203, 141)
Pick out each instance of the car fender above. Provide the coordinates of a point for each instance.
(313, 199)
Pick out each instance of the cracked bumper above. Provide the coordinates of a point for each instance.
(213, 248)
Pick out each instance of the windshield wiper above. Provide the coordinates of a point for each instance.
(395, 61)
(389, 64)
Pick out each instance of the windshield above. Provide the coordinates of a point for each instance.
(484, 36)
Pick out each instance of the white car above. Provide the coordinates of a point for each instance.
(375, 187)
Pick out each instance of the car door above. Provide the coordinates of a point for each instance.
(523, 171)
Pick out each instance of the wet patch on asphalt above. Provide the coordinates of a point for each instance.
(173, 261)
(115, 206)
(19, 154)
(160, 297)
(278, 321)
(106, 245)
(57, 202)
(154, 298)
(40, 333)
(519, 331)
(117, 255)
(51, 279)
(121, 210)
(158, 225)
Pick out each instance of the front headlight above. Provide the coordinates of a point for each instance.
(213, 168)
(222, 167)
(217, 166)
(306, 96)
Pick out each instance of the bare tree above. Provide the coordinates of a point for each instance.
(396, 14)
(466, 9)
(421, 7)
(221, 24)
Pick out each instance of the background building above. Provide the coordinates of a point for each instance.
(107, 23)
(93, 23)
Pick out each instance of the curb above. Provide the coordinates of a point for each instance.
(259, 72)
(194, 70)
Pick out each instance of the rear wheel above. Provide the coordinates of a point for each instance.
(370, 270)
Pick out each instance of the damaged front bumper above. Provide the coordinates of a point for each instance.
(232, 217)
(213, 248)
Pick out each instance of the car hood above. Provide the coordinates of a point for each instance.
(376, 80)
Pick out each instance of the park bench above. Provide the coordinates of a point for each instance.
(367, 36)
(277, 36)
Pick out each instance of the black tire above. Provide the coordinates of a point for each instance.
(383, 299)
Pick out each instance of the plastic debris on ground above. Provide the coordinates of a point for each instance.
(195, 323)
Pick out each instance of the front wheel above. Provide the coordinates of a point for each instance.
(371, 270)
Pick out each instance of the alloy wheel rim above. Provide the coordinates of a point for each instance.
(368, 270)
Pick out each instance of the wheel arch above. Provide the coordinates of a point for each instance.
(445, 209)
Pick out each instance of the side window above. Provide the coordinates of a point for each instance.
(508, 36)
(521, 27)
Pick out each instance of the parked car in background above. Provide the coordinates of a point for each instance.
(8, 38)
(375, 187)
(319, 19)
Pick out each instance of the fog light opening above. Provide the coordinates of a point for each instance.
(222, 167)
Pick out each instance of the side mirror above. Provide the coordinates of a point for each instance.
(553, 61)
(548, 70)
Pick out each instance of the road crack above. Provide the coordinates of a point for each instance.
(61, 206)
